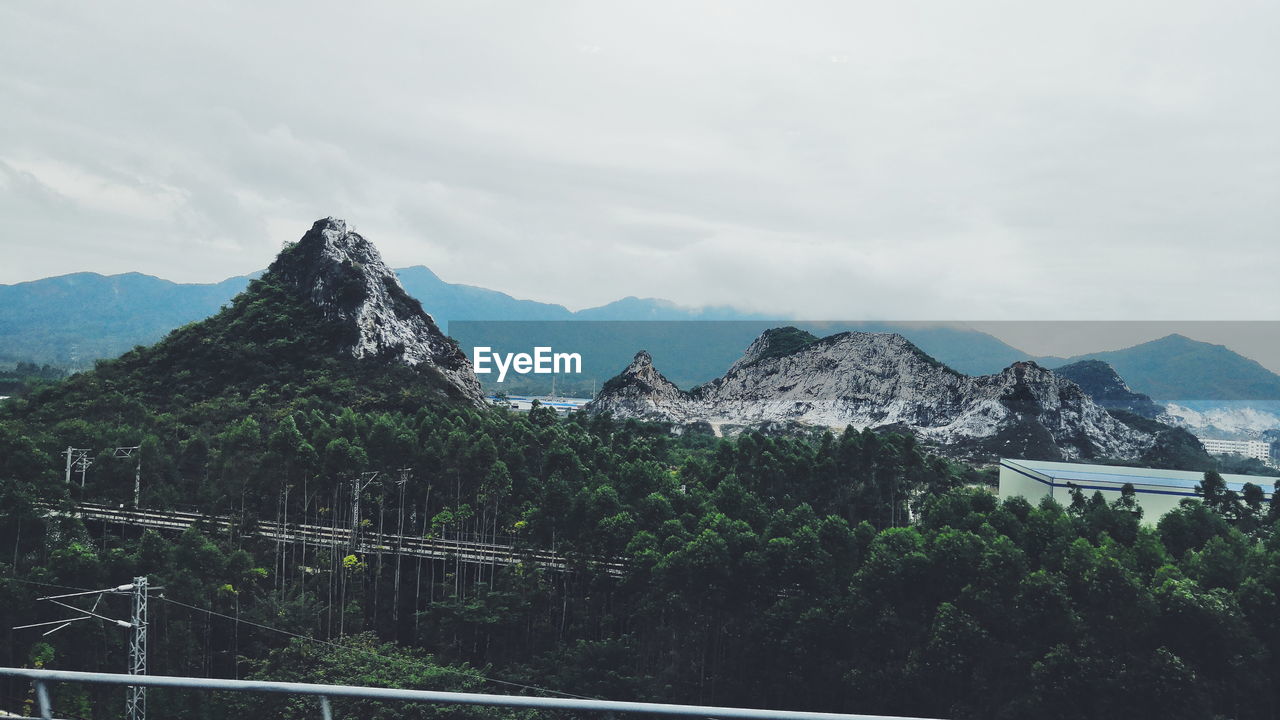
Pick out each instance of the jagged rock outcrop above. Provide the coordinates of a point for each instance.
(881, 380)
(1107, 388)
(642, 392)
(342, 273)
(1026, 401)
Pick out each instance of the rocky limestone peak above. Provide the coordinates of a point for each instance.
(641, 392)
(1025, 387)
(640, 363)
(642, 372)
(1030, 394)
(341, 272)
(774, 342)
(881, 380)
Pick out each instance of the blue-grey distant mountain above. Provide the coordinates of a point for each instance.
(453, 301)
(74, 319)
(1102, 383)
(634, 308)
(1176, 367)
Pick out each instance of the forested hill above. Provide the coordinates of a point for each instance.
(281, 341)
(764, 572)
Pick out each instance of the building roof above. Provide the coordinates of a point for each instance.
(1109, 477)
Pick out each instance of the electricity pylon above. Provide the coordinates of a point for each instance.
(136, 700)
(135, 704)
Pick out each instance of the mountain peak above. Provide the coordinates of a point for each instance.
(640, 392)
(1101, 381)
(774, 342)
(341, 272)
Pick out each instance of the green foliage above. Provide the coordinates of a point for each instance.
(362, 660)
(25, 375)
(784, 341)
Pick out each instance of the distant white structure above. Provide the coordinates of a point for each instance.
(1249, 448)
(1158, 491)
(523, 403)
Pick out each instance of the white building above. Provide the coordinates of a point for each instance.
(1248, 448)
(1158, 491)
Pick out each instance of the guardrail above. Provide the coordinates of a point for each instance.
(41, 679)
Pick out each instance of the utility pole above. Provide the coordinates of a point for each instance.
(358, 486)
(126, 452)
(395, 603)
(136, 701)
(78, 459)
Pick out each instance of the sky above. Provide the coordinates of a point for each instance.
(846, 160)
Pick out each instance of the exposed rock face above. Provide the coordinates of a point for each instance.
(881, 380)
(1033, 399)
(342, 273)
(1107, 388)
(642, 392)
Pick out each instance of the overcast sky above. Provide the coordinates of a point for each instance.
(892, 159)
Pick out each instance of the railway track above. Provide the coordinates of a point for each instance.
(369, 543)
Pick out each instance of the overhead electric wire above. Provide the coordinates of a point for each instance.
(380, 656)
(45, 584)
(330, 643)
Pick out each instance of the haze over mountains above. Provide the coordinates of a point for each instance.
(74, 319)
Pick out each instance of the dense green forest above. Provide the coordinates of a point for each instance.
(24, 375)
(847, 571)
(766, 572)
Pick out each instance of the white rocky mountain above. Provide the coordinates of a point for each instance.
(343, 274)
(880, 380)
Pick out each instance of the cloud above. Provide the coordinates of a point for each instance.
(832, 160)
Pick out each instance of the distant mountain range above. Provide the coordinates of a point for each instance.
(1179, 368)
(452, 301)
(75, 319)
(72, 320)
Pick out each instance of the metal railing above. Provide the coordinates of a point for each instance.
(41, 679)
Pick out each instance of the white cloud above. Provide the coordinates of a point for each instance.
(898, 159)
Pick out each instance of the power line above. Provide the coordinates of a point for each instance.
(327, 642)
(136, 702)
(371, 653)
(45, 584)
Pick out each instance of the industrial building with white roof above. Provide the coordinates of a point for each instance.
(1158, 491)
